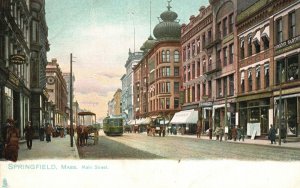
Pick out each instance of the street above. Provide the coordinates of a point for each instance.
(141, 146)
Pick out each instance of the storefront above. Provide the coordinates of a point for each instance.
(289, 107)
(185, 121)
(254, 116)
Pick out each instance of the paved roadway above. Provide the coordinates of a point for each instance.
(141, 146)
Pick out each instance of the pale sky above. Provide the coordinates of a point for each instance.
(99, 34)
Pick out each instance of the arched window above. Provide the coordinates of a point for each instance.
(176, 56)
(168, 56)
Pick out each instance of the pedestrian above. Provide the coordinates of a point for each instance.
(234, 133)
(221, 133)
(49, 131)
(29, 133)
(12, 141)
(217, 132)
(239, 132)
(42, 133)
(199, 129)
(283, 133)
(272, 134)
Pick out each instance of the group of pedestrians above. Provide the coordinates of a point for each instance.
(11, 137)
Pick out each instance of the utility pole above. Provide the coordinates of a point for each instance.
(280, 93)
(71, 101)
(225, 123)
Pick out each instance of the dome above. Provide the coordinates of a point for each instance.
(148, 44)
(168, 28)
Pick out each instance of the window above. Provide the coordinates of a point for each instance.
(193, 70)
(168, 56)
(257, 75)
(280, 71)
(167, 103)
(193, 94)
(188, 52)
(203, 41)
(231, 85)
(219, 88)
(231, 23)
(198, 91)
(243, 82)
(198, 67)
(193, 49)
(209, 36)
(168, 71)
(168, 87)
(250, 79)
(176, 71)
(225, 27)
(279, 34)
(203, 89)
(176, 102)
(184, 54)
(176, 56)
(267, 75)
(231, 50)
(189, 73)
(176, 87)
(198, 45)
(163, 56)
(225, 86)
(204, 65)
(242, 50)
(219, 31)
(209, 88)
(162, 103)
(249, 45)
(292, 25)
(293, 68)
(225, 56)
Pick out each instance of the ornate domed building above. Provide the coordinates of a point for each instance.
(169, 27)
(157, 76)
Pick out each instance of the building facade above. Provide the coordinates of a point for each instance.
(117, 110)
(268, 68)
(57, 89)
(157, 76)
(39, 47)
(15, 62)
(127, 85)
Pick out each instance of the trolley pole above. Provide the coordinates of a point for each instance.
(71, 102)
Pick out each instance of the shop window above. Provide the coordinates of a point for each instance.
(293, 68)
(254, 116)
(292, 25)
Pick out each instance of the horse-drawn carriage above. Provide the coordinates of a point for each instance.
(88, 130)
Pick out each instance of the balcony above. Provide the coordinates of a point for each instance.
(214, 67)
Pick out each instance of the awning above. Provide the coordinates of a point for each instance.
(266, 32)
(185, 117)
(145, 121)
(256, 38)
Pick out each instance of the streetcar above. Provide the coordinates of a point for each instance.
(113, 126)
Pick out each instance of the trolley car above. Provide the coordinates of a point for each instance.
(113, 126)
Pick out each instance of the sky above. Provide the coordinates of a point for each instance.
(99, 34)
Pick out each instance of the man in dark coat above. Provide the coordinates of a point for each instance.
(234, 133)
(272, 134)
(29, 132)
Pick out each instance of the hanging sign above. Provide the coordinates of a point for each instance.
(17, 59)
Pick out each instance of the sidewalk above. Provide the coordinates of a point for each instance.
(58, 148)
(248, 140)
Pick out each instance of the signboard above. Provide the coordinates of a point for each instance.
(17, 59)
